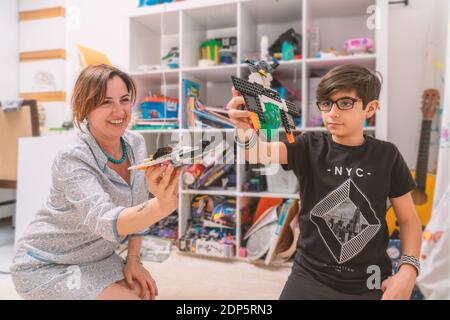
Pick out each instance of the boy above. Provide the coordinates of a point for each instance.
(345, 179)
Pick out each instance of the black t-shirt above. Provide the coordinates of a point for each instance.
(344, 190)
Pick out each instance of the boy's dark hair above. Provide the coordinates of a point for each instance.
(364, 81)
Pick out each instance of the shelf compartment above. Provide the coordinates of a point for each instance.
(267, 18)
(172, 76)
(219, 73)
(201, 24)
(337, 22)
(367, 60)
(151, 37)
(185, 246)
(230, 193)
(265, 194)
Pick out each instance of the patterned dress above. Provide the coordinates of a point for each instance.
(68, 251)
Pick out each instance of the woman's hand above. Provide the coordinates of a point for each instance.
(163, 183)
(135, 272)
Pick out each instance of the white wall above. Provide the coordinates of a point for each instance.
(9, 52)
(101, 25)
(417, 42)
(9, 58)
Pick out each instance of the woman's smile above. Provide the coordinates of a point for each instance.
(117, 123)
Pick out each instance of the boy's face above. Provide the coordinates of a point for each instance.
(350, 122)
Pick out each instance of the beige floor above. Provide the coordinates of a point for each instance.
(187, 277)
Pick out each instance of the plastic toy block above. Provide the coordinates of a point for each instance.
(255, 120)
(268, 111)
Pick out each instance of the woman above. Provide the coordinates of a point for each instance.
(96, 203)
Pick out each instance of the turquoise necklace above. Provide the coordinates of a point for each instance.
(124, 156)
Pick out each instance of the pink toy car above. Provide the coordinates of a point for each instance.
(359, 45)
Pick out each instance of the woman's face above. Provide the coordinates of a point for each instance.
(112, 117)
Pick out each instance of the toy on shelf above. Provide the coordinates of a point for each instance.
(192, 173)
(156, 113)
(289, 44)
(178, 156)
(351, 47)
(218, 51)
(210, 50)
(172, 58)
(159, 108)
(211, 229)
(329, 53)
(225, 213)
(287, 51)
(166, 228)
(267, 109)
(359, 46)
(147, 3)
(228, 52)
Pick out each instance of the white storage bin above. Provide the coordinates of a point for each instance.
(279, 180)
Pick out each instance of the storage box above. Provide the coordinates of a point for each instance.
(159, 108)
(279, 180)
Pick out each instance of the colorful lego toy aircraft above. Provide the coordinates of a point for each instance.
(267, 109)
(178, 156)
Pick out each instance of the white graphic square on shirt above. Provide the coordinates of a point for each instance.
(346, 221)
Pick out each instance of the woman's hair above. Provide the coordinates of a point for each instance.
(90, 89)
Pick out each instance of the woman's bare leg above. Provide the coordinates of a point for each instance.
(117, 291)
(136, 289)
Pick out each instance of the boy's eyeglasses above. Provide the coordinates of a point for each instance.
(346, 103)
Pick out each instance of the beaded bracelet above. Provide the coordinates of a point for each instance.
(411, 260)
(137, 258)
(249, 144)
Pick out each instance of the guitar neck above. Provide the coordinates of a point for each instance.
(422, 158)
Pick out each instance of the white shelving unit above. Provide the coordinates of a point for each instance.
(154, 30)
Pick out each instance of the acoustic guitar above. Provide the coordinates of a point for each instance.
(423, 194)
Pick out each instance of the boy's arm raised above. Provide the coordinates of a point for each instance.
(261, 152)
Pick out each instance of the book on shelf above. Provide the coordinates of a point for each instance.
(156, 127)
(190, 105)
(189, 89)
(212, 117)
(156, 124)
(215, 171)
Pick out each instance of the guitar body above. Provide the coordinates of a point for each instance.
(423, 194)
(423, 203)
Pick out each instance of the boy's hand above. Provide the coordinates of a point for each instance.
(401, 285)
(240, 118)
